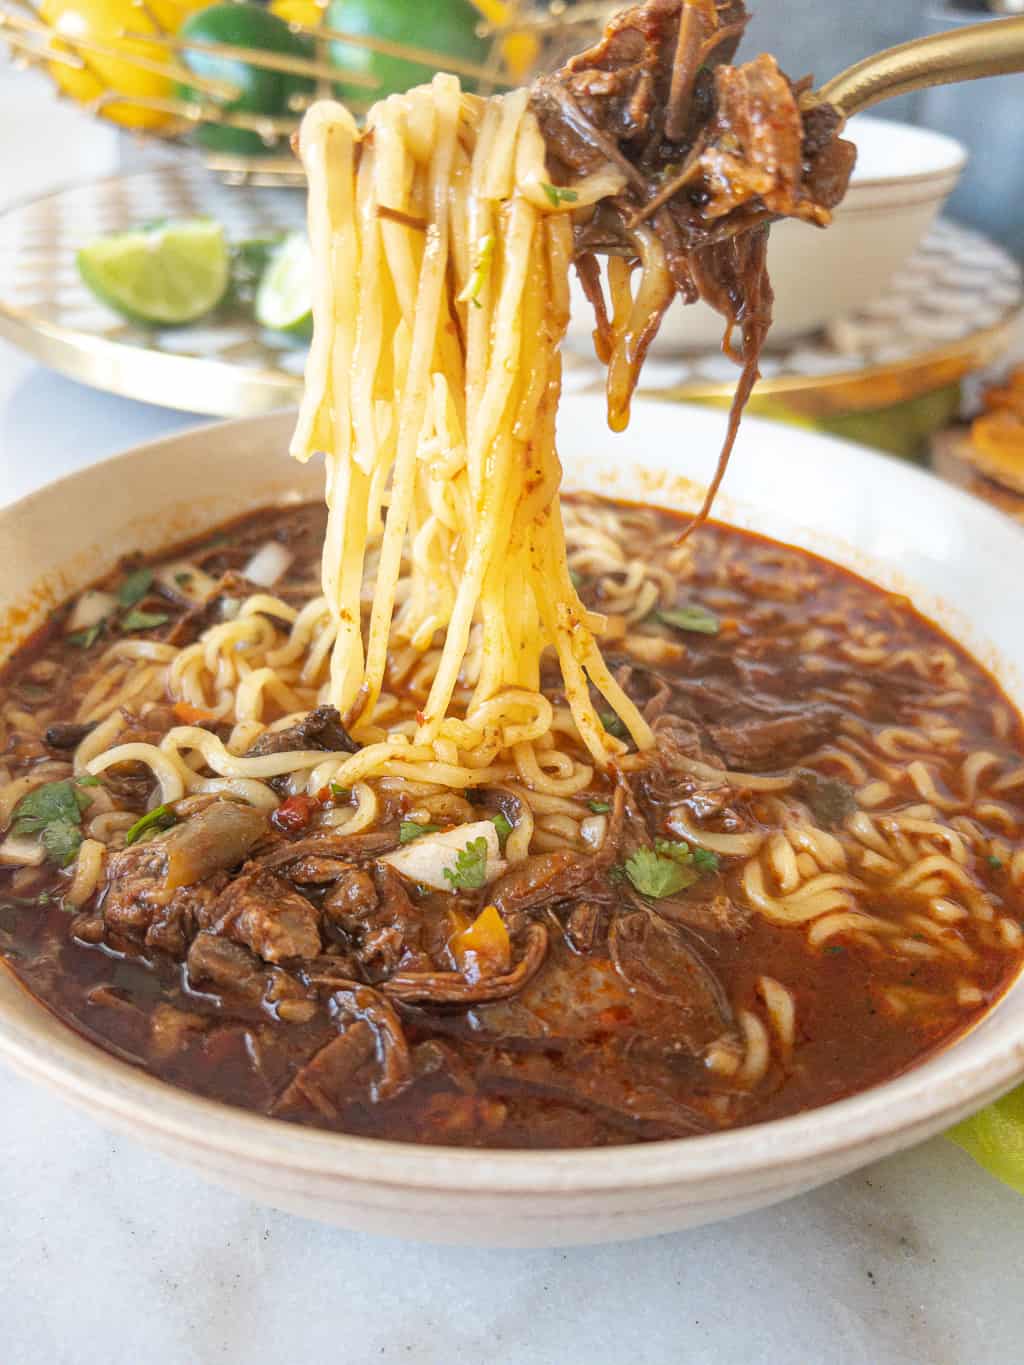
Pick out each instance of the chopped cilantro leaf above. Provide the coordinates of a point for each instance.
(85, 639)
(704, 860)
(503, 825)
(833, 947)
(409, 830)
(557, 195)
(62, 841)
(599, 807)
(183, 579)
(54, 812)
(162, 817)
(481, 269)
(692, 617)
(340, 793)
(135, 587)
(658, 876)
(143, 620)
(699, 860)
(49, 803)
(470, 871)
(995, 862)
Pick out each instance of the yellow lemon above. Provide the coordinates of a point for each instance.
(306, 12)
(519, 49)
(125, 66)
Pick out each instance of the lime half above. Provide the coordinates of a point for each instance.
(162, 276)
(284, 300)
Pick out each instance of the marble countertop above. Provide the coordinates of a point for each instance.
(110, 1254)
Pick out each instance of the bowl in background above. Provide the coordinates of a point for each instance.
(902, 178)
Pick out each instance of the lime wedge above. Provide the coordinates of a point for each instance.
(249, 259)
(162, 276)
(284, 300)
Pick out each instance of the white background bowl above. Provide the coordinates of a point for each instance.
(902, 178)
(906, 530)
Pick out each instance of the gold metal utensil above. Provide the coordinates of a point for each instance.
(994, 48)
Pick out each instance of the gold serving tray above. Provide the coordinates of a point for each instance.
(950, 311)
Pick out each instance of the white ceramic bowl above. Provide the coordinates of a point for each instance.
(960, 562)
(902, 178)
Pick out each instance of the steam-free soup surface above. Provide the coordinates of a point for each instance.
(813, 882)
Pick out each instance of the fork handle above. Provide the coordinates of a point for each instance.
(994, 48)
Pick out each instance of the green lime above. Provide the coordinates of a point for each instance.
(261, 91)
(284, 300)
(249, 259)
(161, 276)
(447, 27)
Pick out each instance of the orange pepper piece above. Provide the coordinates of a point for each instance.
(484, 949)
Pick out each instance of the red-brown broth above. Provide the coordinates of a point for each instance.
(847, 1037)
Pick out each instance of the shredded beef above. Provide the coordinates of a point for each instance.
(266, 913)
(321, 729)
(710, 153)
(775, 742)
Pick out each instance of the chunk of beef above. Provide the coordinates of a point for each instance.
(266, 913)
(380, 919)
(546, 877)
(325, 1082)
(164, 889)
(217, 966)
(349, 847)
(353, 900)
(541, 879)
(320, 729)
(172, 1030)
(329, 972)
(628, 1103)
(315, 870)
(227, 968)
(655, 958)
(718, 915)
(138, 902)
(362, 1003)
(776, 743)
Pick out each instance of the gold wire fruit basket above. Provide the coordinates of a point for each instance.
(152, 66)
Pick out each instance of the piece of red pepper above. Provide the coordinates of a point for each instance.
(293, 814)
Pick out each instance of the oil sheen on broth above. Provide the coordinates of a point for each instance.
(812, 882)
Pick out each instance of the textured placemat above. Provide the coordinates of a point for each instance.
(943, 315)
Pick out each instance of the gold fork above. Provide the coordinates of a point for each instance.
(995, 48)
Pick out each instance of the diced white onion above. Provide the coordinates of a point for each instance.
(19, 851)
(268, 564)
(592, 830)
(184, 581)
(91, 608)
(654, 649)
(427, 858)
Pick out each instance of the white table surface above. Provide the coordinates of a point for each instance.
(109, 1254)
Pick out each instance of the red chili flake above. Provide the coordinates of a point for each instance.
(421, 718)
(294, 814)
(324, 796)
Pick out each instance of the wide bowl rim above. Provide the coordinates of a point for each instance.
(906, 1108)
(956, 152)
